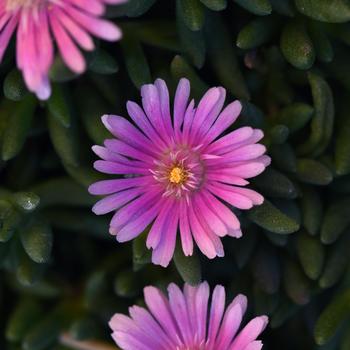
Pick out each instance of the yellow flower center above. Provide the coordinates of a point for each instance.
(177, 175)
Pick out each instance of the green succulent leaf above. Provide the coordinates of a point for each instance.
(224, 58)
(215, 5)
(296, 116)
(313, 172)
(275, 184)
(258, 7)
(332, 11)
(335, 221)
(256, 33)
(336, 263)
(18, 127)
(192, 41)
(136, 62)
(312, 209)
(14, 86)
(296, 45)
(311, 254)
(26, 313)
(37, 240)
(103, 63)
(332, 318)
(58, 105)
(323, 119)
(272, 219)
(297, 286)
(192, 13)
(189, 267)
(342, 143)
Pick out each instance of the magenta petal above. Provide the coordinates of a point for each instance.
(143, 319)
(179, 309)
(226, 215)
(70, 53)
(255, 345)
(185, 230)
(164, 251)
(216, 313)
(213, 114)
(180, 171)
(204, 243)
(112, 186)
(160, 309)
(249, 333)
(235, 199)
(159, 228)
(226, 118)
(116, 201)
(164, 104)
(210, 217)
(181, 321)
(229, 326)
(135, 208)
(180, 105)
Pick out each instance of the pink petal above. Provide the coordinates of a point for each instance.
(78, 34)
(237, 200)
(210, 217)
(249, 333)
(119, 168)
(138, 116)
(164, 104)
(213, 114)
(216, 312)
(179, 309)
(113, 186)
(164, 251)
(160, 309)
(115, 201)
(226, 215)
(185, 231)
(138, 224)
(226, 118)
(6, 33)
(135, 208)
(124, 149)
(159, 228)
(205, 106)
(69, 52)
(180, 104)
(98, 27)
(143, 319)
(231, 322)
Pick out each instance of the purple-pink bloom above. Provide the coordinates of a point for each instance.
(183, 321)
(70, 22)
(178, 171)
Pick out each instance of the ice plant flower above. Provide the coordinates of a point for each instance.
(178, 172)
(182, 322)
(37, 22)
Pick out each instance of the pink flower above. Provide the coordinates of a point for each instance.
(182, 322)
(177, 172)
(71, 22)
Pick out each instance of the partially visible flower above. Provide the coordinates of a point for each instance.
(70, 22)
(183, 321)
(177, 171)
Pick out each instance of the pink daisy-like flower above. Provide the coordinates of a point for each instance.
(178, 171)
(182, 322)
(70, 22)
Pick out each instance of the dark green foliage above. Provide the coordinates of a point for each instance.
(63, 275)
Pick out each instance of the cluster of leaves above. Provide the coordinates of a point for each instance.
(62, 276)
